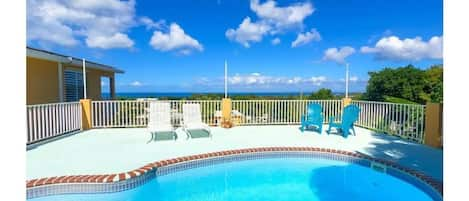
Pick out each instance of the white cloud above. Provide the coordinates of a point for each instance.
(176, 39)
(393, 48)
(262, 82)
(102, 23)
(136, 84)
(250, 79)
(259, 79)
(256, 82)
(353, 78)
(305, 38)
(282, 17)
(317, 80)
(150, 24)
(248, 32)
(106, 42)
(338, 55)
(295, 80)
(275, 41)
(272, 19)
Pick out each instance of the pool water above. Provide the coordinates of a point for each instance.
(279, 179)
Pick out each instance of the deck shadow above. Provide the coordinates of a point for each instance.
(407, 153)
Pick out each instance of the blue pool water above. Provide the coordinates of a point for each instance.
(279, 179)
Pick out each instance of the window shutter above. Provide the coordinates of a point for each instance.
(73, 85)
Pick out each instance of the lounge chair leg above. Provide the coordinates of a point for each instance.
(151, 139)
(188, 134)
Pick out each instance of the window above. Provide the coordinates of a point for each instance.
(73, 85)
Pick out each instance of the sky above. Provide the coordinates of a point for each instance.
(270, 46)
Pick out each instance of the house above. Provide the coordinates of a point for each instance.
(53, 77)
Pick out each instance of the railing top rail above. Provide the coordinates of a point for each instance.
(97, 101)
(331, 100)
(53, 104)
(157, 100)
(378, 102)
(257, 100)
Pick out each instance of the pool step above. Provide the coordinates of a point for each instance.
(378, 167)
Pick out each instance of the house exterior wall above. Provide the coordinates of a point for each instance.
(42, 81)
(93, 81)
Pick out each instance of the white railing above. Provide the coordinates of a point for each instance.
(134, 113)
(45, 121)
(124, 113)
(257, 112)
(50, 120)
(404, 120)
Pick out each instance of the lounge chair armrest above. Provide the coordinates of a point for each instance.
(206, 127)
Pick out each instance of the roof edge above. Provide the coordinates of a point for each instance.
(47, 55)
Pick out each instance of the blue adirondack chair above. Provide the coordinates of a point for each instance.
(349, 117)
(313, 117)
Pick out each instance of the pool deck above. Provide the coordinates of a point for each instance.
(105, 151)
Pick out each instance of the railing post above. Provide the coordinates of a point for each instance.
(85, 114)
(226, 112)
(434, 125)
(346, 101)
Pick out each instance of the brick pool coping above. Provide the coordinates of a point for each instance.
(112, 178)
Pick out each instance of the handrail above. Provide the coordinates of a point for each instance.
(44, 121)
(52, 104)
(404, 120)
(134, 113)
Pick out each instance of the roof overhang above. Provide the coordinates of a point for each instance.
(51, 56)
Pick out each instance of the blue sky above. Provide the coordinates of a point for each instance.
(270, 46)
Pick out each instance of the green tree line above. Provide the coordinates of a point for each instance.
(406, 83)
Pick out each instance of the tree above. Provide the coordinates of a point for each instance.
(434, 85)
(322, 94)
(408, 83)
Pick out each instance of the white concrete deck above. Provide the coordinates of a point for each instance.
(104, 151)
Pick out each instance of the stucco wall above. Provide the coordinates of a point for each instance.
(42, 83)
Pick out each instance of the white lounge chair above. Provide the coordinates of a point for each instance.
(192, 119)
(159, 120)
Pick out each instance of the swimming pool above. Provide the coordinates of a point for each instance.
(268, 176)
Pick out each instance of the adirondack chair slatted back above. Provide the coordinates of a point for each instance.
(313, 117)
(350, 115)
(160, 114)
(191, 113)
(314, 110)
